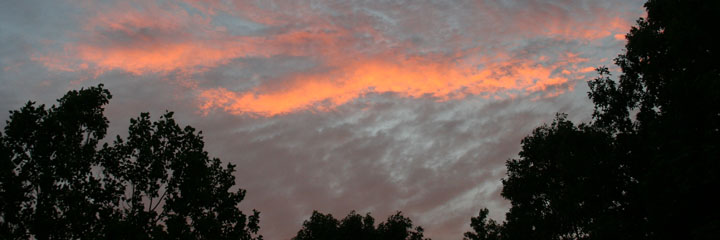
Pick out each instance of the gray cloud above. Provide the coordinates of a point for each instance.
(439, 162)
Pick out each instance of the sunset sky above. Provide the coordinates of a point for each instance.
(373, 106)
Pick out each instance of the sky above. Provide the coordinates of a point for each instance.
(374, 106)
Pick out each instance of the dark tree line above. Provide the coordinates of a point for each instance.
(357, 227)
(648, 165)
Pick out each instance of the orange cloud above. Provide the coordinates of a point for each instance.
(144, 38)
(162, 59)
(412, 78)
(170, 38)
(155, 39)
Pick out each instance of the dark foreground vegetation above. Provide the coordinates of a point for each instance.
(158, 183)
(357, 227)
(646, 167)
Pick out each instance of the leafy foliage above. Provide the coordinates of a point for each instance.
(646, 167)
(671, 78)
(566, 185)
(356, 227)
(484, 228)
(158, 183)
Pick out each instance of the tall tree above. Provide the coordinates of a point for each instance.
(648, 164)
(671, 78)
(158, 183)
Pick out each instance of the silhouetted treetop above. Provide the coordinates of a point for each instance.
(484, 228)
(158, 183)
(357, 227)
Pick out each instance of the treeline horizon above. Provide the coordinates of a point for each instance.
(644, 167)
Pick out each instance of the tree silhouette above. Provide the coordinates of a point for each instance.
(484, 228)
(671, 78)
(398, 227)
(319, 227)
(647, 166)
(356, 227)
(566, 185)
(158, 183)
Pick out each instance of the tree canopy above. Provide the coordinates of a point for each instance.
(158, 183)
(671, 79)
(567, 184)
(484, 228)
(647, 166)
(357, 227)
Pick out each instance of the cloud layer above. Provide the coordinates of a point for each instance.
(413, 49)
(330, 105)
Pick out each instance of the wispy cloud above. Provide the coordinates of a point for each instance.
(358, 49)
(408, 77)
